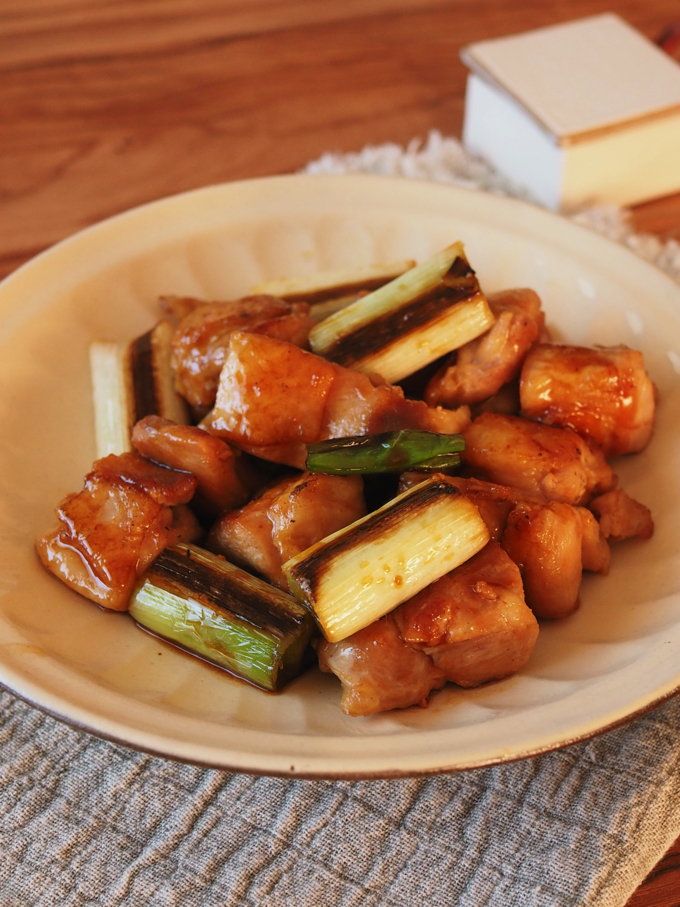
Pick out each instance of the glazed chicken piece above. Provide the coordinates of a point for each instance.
(111, 531)
(595, 550)
(378, 670)
(480, 368)
(540, 460)
(473, 622)
(621, 517)
(223, 482)
(201, 340)
(271, 395)
(603, 394)
(545, 542)
(285, 520)
(470, 626)
(274, 398)
(552, 544)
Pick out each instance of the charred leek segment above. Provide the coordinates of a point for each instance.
(431, 310)
(392, 451)
(130, 381)
(329, 291)
(205, 605)
(358, 574)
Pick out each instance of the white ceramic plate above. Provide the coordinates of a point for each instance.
(618, 655)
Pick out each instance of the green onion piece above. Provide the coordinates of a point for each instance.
(391, 451)
(207, 606)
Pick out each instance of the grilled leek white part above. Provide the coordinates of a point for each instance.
(329, 291)
(357, 575)
(111, 395)
(207, 606)
(429, 311)
(130, 381)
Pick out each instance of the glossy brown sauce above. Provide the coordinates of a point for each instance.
(189, 653)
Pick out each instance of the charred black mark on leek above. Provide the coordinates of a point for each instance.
(308, 573)
(460, 268)
(459, 284)
(143, 383)
(176, 571)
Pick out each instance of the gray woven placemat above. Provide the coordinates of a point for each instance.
(85, 822)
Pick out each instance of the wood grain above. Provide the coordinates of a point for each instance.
(106, 104)
(661, 888)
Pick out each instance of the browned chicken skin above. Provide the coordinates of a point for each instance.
(166, 486)
(552, 543)
(273, 399)
(545, 540)
(111, 531)
(201, 340)
(538, 459)
(481, 367)
(595, 551)
(211, 460)
(604, 394)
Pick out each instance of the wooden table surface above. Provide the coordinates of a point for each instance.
(109, 103)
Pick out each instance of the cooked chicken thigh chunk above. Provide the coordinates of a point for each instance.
(538, 459)
(201, 339)
(545, 541)
(595, 550)
(621, 517)
(378, 670)
(274, 399)
(473, 623)
(211, 460)
(111, 531)
(604, 394)
(470, 626)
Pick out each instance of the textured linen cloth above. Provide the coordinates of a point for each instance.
(85, 822)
